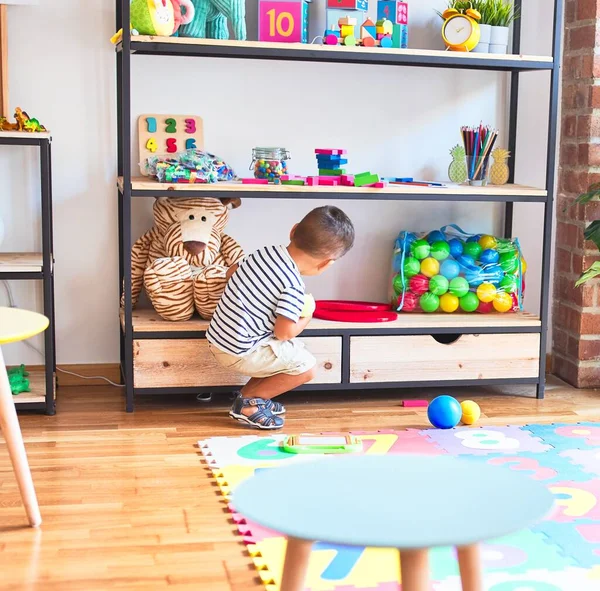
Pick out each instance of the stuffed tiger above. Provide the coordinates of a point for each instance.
(183, 259)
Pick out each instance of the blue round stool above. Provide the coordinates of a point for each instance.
(408, 502)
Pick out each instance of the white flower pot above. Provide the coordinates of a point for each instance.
(481, 48)
(499, 40)
(486, 34)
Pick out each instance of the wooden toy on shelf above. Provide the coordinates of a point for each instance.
(168, 134)
(371, 34)
(285, 21)
(499, 172)
(396, 12)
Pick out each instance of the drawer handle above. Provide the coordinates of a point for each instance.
(446, 339)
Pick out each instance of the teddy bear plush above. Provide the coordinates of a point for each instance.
(182, 261)
(211, 16)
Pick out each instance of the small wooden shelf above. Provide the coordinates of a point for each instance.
(21, 262)
(148, 321)
(146, 187)
(42, 135)
(186, 46)
(37, 383)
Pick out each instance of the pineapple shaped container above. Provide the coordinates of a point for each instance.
(457, 171)
(499, 172)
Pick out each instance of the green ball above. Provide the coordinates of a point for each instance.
(472, 249)
(429, 302)
(438, 285)
(412, 267)
(420, 249)
(469, 302)
(508, 284)
(440, 250)
(509, 261)
(459, 286)
(398, 284)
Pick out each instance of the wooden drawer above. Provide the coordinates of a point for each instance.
(422, 358)
(171, 363)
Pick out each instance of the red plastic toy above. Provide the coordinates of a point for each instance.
(350, 311)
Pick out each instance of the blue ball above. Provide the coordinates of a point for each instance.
(489, 257)
(450, 269)
(397, 264)
(474, 238)
(466, 261)
(493, 274)
(435, 236)
(475, 277)
(456, 247)
(405, 237)
(444, 412)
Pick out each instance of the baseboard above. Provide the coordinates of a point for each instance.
(110, 371)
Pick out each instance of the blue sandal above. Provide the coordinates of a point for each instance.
(276, 408)
(261, 419)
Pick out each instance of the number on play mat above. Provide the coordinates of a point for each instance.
(171, 145)
(190, 126)
(151, 145)
(171, 125)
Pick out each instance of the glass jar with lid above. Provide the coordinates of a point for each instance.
(270, 163)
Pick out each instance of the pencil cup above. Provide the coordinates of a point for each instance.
(478, 171)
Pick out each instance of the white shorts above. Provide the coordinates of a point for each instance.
(269, 359)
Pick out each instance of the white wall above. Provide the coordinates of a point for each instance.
(392, 120)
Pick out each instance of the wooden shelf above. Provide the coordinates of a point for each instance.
(148, 321)
(21, 262)
(147, 187)
(37, 382)
(185, 46)
(42, 135)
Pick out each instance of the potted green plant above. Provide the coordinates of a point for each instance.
(592, 232)
(483, 7)
(500, 14)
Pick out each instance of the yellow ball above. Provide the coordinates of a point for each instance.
(430, 267)
(470, 412)
(448, 303)
(487, 241)
(486, 292)
(523, 266)
(309, 306)
(503, 302)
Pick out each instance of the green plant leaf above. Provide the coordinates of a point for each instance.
(588, 274)
(586, 197)
(592, 232)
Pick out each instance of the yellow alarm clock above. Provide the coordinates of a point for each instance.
(461, 31)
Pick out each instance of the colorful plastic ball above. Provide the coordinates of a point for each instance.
(419, 284)
(429, 302)
(508, 284)
(399, 284)
(475, 276)
(440, 250)
(397, 262)
(472, 249)
(487, 242)
(493, 274)
(486, 292)
(420, 249)
(503, 302)
(448, 303)
(485, 307)
(438, 285)
(444, 412)
(430, 267)
(405, 238)
(509, 261)
(459, 286)
(456, 247)
(523, 266)
(411, 301)
(450, 269)
(411, 267)
(435, 236)
(470, 412)
(474, 238)
(489, 257)
(469, 302)
(466, 261)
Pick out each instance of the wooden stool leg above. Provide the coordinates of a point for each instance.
(469, 562)
(9, 424)
(414, 570)
(295, 566)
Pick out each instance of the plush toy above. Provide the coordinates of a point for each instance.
(182, 261)
(210, 20)
(183, 12)
(153, 17)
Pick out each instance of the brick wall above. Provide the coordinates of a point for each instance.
(576, 314)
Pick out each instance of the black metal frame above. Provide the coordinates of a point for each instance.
(129, 47)
(47, 272)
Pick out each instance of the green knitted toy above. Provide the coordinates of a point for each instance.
(210, 20)
(17, 380)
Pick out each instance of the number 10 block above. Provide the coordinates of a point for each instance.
(285, 22)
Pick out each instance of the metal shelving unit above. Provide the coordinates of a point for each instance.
(37, 266)
(135, 327)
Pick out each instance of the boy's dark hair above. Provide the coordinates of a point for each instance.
(325, 232)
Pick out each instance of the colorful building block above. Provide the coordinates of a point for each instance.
(379, 185)
(283, 20)
(346, 30)
(393, 10)
(253, 181)
(311, 181)
(386, 41)
(349, 40)
(331, 161)
(299, 182)
(292, 177)
(400, 36)
(331, 39)
(332, 172)
(347, 180)
(349, 4)
(384, 26)
(330, 152)
(365, 178)
(328, 181)
(368, 42)
(347, 20)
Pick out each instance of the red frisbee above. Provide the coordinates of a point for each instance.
(350, 311)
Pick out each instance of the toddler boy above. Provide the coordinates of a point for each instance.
(255, 325)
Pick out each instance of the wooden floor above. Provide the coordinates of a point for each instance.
(127, 503)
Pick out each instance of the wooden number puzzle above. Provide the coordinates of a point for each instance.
(168, 134)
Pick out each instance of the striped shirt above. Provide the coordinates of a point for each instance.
(267, 284)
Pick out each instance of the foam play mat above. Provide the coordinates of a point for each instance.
(561, 553)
